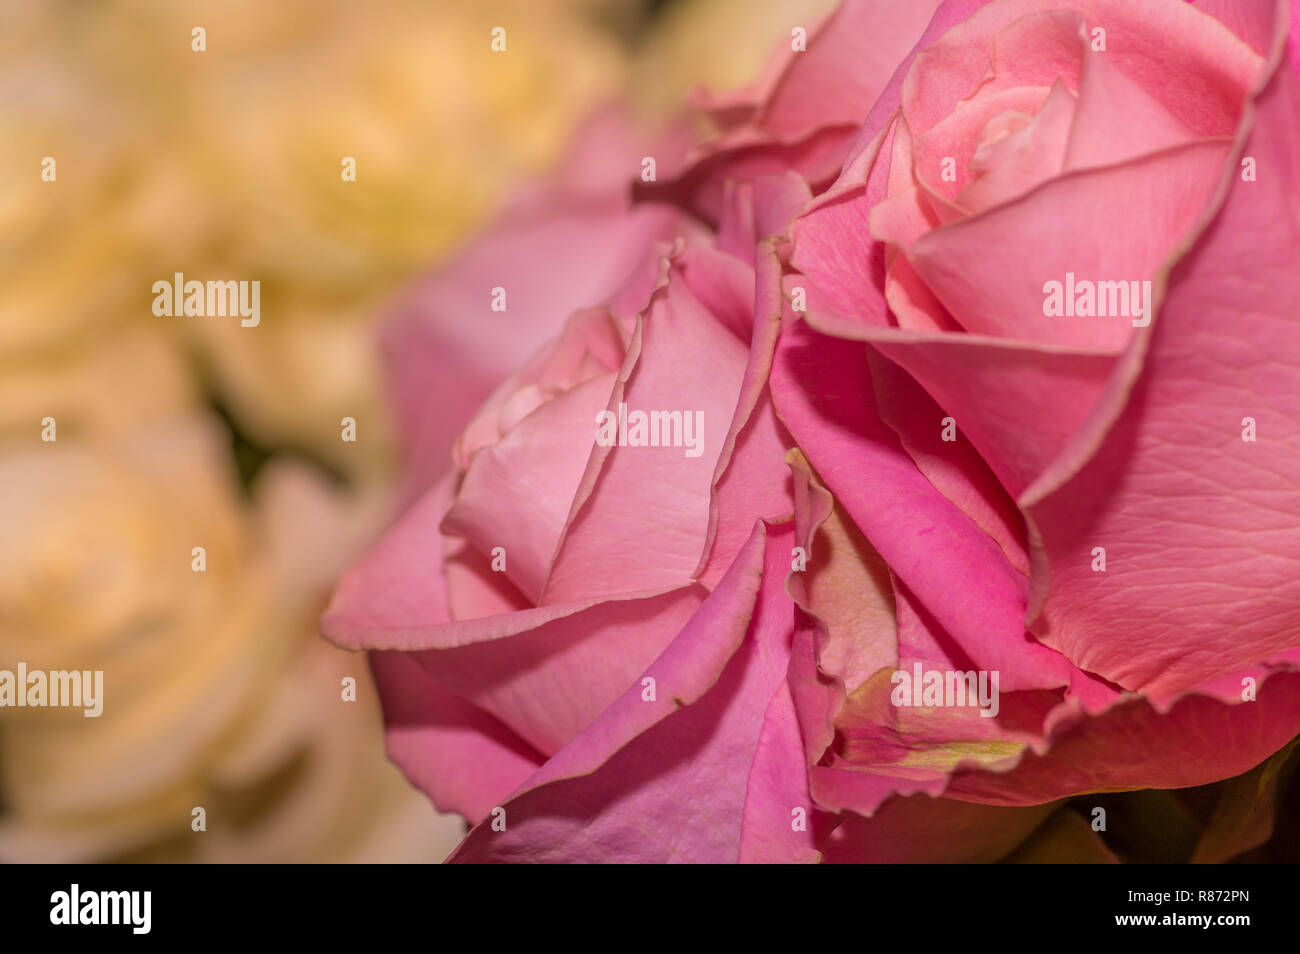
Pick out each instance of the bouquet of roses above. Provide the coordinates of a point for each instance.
(918, 451)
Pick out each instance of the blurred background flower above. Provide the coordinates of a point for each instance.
(128, 156)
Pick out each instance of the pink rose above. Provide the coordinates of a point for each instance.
(559, 246)
(981, 488)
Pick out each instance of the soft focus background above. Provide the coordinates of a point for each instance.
(181, 432)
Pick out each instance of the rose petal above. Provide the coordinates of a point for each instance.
(641, 519)
(1198, 536)
(551, 681)
(455, 753)
(667, 780)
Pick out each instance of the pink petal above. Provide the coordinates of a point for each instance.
(1161, 38)
(458, 755)
(834, 247)
(1197, 523)
(999, 391)
(956, 570)
(953, 466)
(1135, 745)
(517, 493)
(682, 358)
(750, 478)
(807, 109)
(848, 62)
(399, 581)
(745, 155)
(757, 210)
(777, 826)
(550, 682)
(474, 589)
(959, 137)
(724, 284)
(1117, 119)
(1053, 231)
(667, 780)
(1026, 158)
(446, 348)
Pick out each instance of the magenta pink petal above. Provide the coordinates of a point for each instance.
(956, 570)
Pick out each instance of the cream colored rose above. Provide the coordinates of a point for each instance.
(96, 574)
(217, 693)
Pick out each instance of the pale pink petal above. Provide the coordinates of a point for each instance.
(724, 284)
(911, 301)
(517, 493)
(1253, 21)
(848, 62)
(961, 137)
(1023, 159)
(591, 342)
(1117, 119)
(446, 348)
(1054, 230)
(1151, 42)
(745, 155)
(474, 589)
(641, 520)
(807, 111)
(1039, 49)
